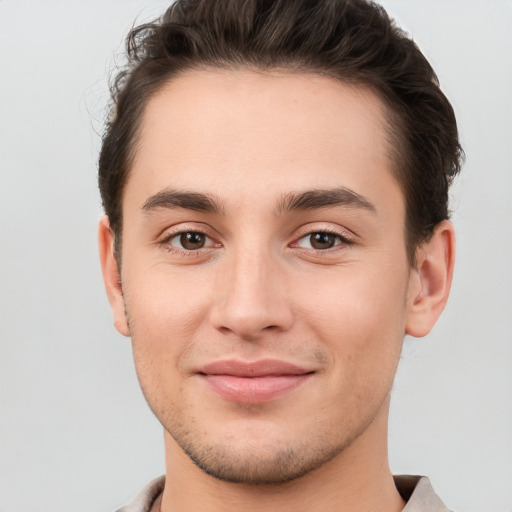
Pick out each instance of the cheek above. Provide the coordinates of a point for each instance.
(164, 311)
(160, 300)
(362, 329)
(360, 318)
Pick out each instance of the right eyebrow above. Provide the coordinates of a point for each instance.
(196, 201)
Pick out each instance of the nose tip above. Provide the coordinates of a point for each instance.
(252, 302)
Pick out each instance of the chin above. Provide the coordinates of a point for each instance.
(257, 463)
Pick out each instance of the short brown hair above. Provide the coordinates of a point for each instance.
(350, 40)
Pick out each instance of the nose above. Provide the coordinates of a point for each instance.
(252, 298)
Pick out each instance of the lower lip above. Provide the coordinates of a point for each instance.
(253, 390)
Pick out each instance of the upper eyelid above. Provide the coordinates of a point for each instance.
(328, 231)
(343, 233)
(344, 241)
(302, 231)
(166, 239)
(184, 227)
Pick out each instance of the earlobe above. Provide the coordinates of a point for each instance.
(111, 277)
(430, 280)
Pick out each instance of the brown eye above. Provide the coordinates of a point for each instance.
(192, 240)
(322, 240)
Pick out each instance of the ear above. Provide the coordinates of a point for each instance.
(430, 280)
(111, 276)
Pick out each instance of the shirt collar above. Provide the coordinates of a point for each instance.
(415, 490)
(418, 493)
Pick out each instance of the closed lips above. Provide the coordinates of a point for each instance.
(253, 382)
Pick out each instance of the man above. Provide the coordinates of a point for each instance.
(275, 179)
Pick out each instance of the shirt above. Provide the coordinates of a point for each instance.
(415, 490)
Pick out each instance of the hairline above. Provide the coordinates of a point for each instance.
(392, 122)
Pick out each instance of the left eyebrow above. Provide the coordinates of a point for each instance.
(321, 198)
(196, 201)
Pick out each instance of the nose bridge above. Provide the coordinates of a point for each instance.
(252, 294)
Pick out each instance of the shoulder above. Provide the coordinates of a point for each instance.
(146, 497)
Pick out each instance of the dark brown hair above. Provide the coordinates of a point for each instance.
(351, 40)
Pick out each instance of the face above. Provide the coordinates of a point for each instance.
(264, 271)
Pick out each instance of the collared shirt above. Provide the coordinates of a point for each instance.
(415, 490)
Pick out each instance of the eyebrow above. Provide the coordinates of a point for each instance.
(294, 201)
(188, 200)
(318, 198)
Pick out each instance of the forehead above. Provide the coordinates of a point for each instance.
(245, 133)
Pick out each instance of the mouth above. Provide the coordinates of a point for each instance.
(253, 382)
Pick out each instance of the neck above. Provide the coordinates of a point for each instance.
(358, 479)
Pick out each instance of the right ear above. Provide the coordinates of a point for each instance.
(111, 276)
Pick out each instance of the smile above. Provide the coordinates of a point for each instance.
(253, 382)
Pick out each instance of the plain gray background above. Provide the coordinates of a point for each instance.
(75, 433)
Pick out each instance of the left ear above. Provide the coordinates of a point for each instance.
(430, 280)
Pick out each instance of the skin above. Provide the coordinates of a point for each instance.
(261, 287)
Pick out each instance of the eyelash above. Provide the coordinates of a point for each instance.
(343, 242)
(166, 242)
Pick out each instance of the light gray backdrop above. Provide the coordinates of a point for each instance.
(75, 432)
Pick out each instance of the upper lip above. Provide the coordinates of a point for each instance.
(261, 368)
